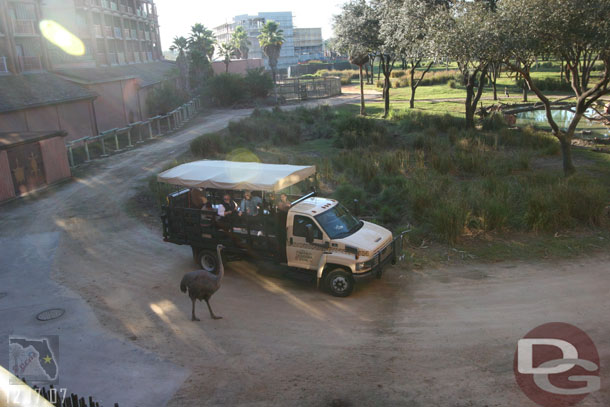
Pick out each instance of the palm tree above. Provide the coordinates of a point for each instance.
(180, 44)
(271, 40)
(240, 41)
(227, 50)
(200, 51)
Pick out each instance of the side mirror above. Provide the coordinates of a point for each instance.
(309, 236)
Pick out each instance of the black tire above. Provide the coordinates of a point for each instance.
(339, 283)
(208, 261)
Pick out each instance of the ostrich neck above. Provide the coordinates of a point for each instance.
(221, 271)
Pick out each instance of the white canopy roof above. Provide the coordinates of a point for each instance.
(236, 175)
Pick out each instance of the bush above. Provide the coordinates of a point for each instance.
(358, 131)
(258, 83)
(208, 145)
(165, 98)
(494, 121)
(226, 89)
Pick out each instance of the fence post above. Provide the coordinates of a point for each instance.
(158, 126)
(103, 145)
(129, 137)
(87, 150)
(150, 135)
(169, 123)
(71, 155)
(116, 140)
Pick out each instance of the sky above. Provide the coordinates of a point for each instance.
(177, 16)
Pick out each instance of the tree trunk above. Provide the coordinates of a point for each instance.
(226, 67)
(366, 68)
(413, 87)
(493, 83)
(362, 112)
(386, 93)
(566, 152)
(469, 108)
(524, 91)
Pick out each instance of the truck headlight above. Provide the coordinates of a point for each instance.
(366, 264)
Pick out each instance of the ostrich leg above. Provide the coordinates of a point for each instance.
(212, 312)
(193, 317)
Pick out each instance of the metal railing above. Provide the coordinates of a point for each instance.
(24, 27)
(3, 67)
(29, 63)
(133, 133)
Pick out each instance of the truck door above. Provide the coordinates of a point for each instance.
(299, 253)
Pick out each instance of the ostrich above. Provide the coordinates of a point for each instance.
(202, 285)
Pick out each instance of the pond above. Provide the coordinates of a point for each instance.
(562, 118)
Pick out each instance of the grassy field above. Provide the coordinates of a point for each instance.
(490, 194)
(493, 193)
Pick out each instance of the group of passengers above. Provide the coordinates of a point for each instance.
(250, 205)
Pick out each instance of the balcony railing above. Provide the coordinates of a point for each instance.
(3, 67)
(134, 34)
(29, 63)
(24, 27)
(108, 31)
(126, 33)
(98, 30)
(113, 58)
(117, 32)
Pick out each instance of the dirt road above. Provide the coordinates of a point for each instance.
(430, 338)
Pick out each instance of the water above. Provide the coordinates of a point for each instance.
(562, 118)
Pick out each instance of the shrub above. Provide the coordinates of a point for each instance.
(452, 84)
(494, 121)
(165, 98)
(448, 219)
(208, 145)
(258, 83)
(226, 89)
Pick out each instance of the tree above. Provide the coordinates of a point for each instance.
(227, 50)
(357, 34)
(271, 40)
(466, 33)
(405, 27)
(200, 51)
(240, 42)
(180, 44)
(575, 31)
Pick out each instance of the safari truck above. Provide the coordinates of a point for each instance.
(313, 236)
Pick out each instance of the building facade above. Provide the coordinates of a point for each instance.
(105, 87)
(298, 42)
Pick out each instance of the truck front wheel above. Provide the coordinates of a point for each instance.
(208, 261)
(339, 283)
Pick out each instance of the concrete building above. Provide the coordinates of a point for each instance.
(300, 44)
(106, 87)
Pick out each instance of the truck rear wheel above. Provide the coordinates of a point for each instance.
(208, 261)
(339, 283)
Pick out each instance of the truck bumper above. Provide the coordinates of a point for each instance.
(377, 271)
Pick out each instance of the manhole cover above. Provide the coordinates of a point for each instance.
(2, 295)
(50, 314)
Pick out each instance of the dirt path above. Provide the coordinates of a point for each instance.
(439, 337)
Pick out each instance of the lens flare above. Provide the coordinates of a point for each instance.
(60, 36)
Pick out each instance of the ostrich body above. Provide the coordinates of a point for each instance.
(201, 285)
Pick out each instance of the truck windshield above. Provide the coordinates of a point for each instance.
(338, 222)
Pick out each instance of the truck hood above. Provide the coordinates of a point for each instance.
(368, 239)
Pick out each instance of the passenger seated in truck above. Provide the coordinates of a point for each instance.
(284, 204)
(250, 204)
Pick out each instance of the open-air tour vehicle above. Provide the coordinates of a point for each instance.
(315, 236)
